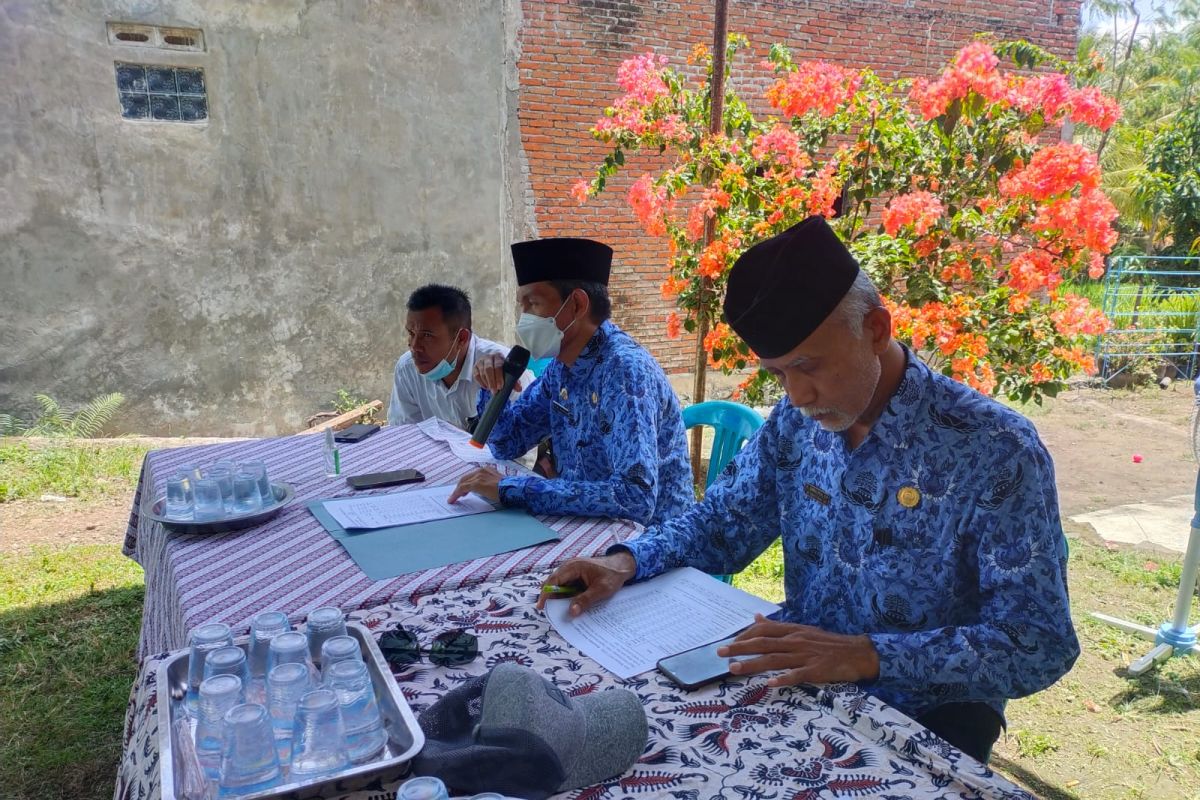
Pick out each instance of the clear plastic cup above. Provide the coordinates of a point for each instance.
(179, 496)
(246, 498)
(249, 762)
(217, 695)
(222, 473)
(259, 470)
(323, 624)
(265, 627)
(286, 684)
(290, 647)
(229, 660)
(318, 737)
(365, 736)
(209, 503)
(339, 648)
(426, 788)
(204, 639)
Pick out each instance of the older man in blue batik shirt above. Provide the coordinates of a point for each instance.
(604, 402)
(924, 555)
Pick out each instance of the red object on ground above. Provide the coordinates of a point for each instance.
(1137, 458)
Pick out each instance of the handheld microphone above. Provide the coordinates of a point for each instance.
(514, 366)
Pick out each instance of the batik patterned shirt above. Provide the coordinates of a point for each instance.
(938, 536)
(616, 432)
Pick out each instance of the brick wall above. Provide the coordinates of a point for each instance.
(570, 51)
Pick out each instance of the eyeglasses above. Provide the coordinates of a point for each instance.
(400, 647)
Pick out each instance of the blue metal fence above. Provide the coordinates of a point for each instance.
(1153, 305)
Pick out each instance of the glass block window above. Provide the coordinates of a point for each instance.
(155, 92)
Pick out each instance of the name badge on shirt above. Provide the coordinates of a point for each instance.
(562, 409)
(817, 493)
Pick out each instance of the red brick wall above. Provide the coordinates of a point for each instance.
(570, 51)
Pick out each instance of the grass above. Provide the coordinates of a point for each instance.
(1097, 733)
(71, 469)
(69, 623)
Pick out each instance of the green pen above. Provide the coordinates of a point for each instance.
(565, 590)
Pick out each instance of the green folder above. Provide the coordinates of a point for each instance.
(384, 553)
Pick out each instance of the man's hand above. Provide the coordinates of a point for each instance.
(602, 576)
(489, 373)
(484, 482)
(805, 654)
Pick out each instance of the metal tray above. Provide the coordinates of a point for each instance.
(283, 495)
(405, 738)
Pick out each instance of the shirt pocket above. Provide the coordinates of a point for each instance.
(905, 578)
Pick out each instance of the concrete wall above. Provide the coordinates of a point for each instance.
(229, 276)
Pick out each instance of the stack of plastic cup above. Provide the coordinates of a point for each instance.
(204, 640)
(265, 627)
(365, 737)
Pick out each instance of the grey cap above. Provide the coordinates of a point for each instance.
(515, 732)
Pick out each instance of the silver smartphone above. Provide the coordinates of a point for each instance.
(692, 669)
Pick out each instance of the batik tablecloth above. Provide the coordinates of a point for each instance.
(291, 563)
(735, 740)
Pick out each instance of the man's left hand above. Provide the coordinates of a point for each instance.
(484, 482)
(805, 654)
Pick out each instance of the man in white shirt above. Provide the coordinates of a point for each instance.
(434, 378)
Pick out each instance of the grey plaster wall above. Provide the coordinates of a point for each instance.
(229, 276)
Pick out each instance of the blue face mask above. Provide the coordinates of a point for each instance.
(444, 367)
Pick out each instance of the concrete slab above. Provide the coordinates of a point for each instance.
(1163, 523)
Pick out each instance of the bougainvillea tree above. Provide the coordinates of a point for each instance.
(957, 195)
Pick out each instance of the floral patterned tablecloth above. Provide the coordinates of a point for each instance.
(735, 740)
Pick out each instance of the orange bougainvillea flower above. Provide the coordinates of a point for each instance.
(673, 325)
(920, 210)
(814, 86)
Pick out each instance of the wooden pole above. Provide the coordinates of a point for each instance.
(716, 123)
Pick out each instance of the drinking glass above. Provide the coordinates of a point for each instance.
(223, 475)
(179, 496)
(204, 640)
(218, 694)
(323, 624)
(365, 736)
(259, 470)
(318, 737)
(246, 498)
(339, 648)
(265, 627)
(286, 684)
(287, 648)
(209, 504)
(229, 660)
(249, 763)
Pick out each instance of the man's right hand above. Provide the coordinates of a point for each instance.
(602, 576)
(489, 372)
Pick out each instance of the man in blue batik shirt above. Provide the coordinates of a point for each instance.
(924, 556)
(604, 402)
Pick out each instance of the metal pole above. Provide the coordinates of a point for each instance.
(716, 123)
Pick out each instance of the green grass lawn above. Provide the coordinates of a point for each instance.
(71, 469)
(69, 622)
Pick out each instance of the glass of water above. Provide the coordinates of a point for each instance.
(259, 470)
(246, 498)
(365, 736)
(318, 737)
(290, 648)
(227, 661)
(179, 496)
(209, 505)
(205, 639)
(250, 762)
(323, 624)
(286, 684)
(217, 695)
(339, 648)
(223, 475)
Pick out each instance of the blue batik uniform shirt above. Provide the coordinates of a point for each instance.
(938, 536)
(617, 433)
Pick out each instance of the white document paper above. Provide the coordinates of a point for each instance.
(648, 621)
(441, 431)
(404, 508)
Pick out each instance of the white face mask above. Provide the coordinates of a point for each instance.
(541, 335)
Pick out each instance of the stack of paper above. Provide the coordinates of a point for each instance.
(404, 508)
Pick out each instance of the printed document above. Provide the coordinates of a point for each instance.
(404, 508)
(648, 621)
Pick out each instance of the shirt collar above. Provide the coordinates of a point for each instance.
(896, 423)
(591, 351)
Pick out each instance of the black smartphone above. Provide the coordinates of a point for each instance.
(692, 669)
(374, 480)
(354, 433)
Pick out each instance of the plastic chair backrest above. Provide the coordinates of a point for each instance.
(732, 423)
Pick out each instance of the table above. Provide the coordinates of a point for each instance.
(737, 740)
(291, 563)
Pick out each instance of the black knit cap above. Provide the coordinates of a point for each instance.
(783, 288)
(561, 259)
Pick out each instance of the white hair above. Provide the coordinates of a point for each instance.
(861, 299)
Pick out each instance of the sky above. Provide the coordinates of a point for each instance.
(1149, 10)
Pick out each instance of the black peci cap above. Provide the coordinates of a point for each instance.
(562, 259)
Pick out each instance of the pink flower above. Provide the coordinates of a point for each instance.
(1053, 170)
(921, 210)
(580, 191)
(814, 85)
(650, 204)
(1047, 93)
(1090, 106)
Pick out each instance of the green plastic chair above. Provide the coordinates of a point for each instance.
(733, 425)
